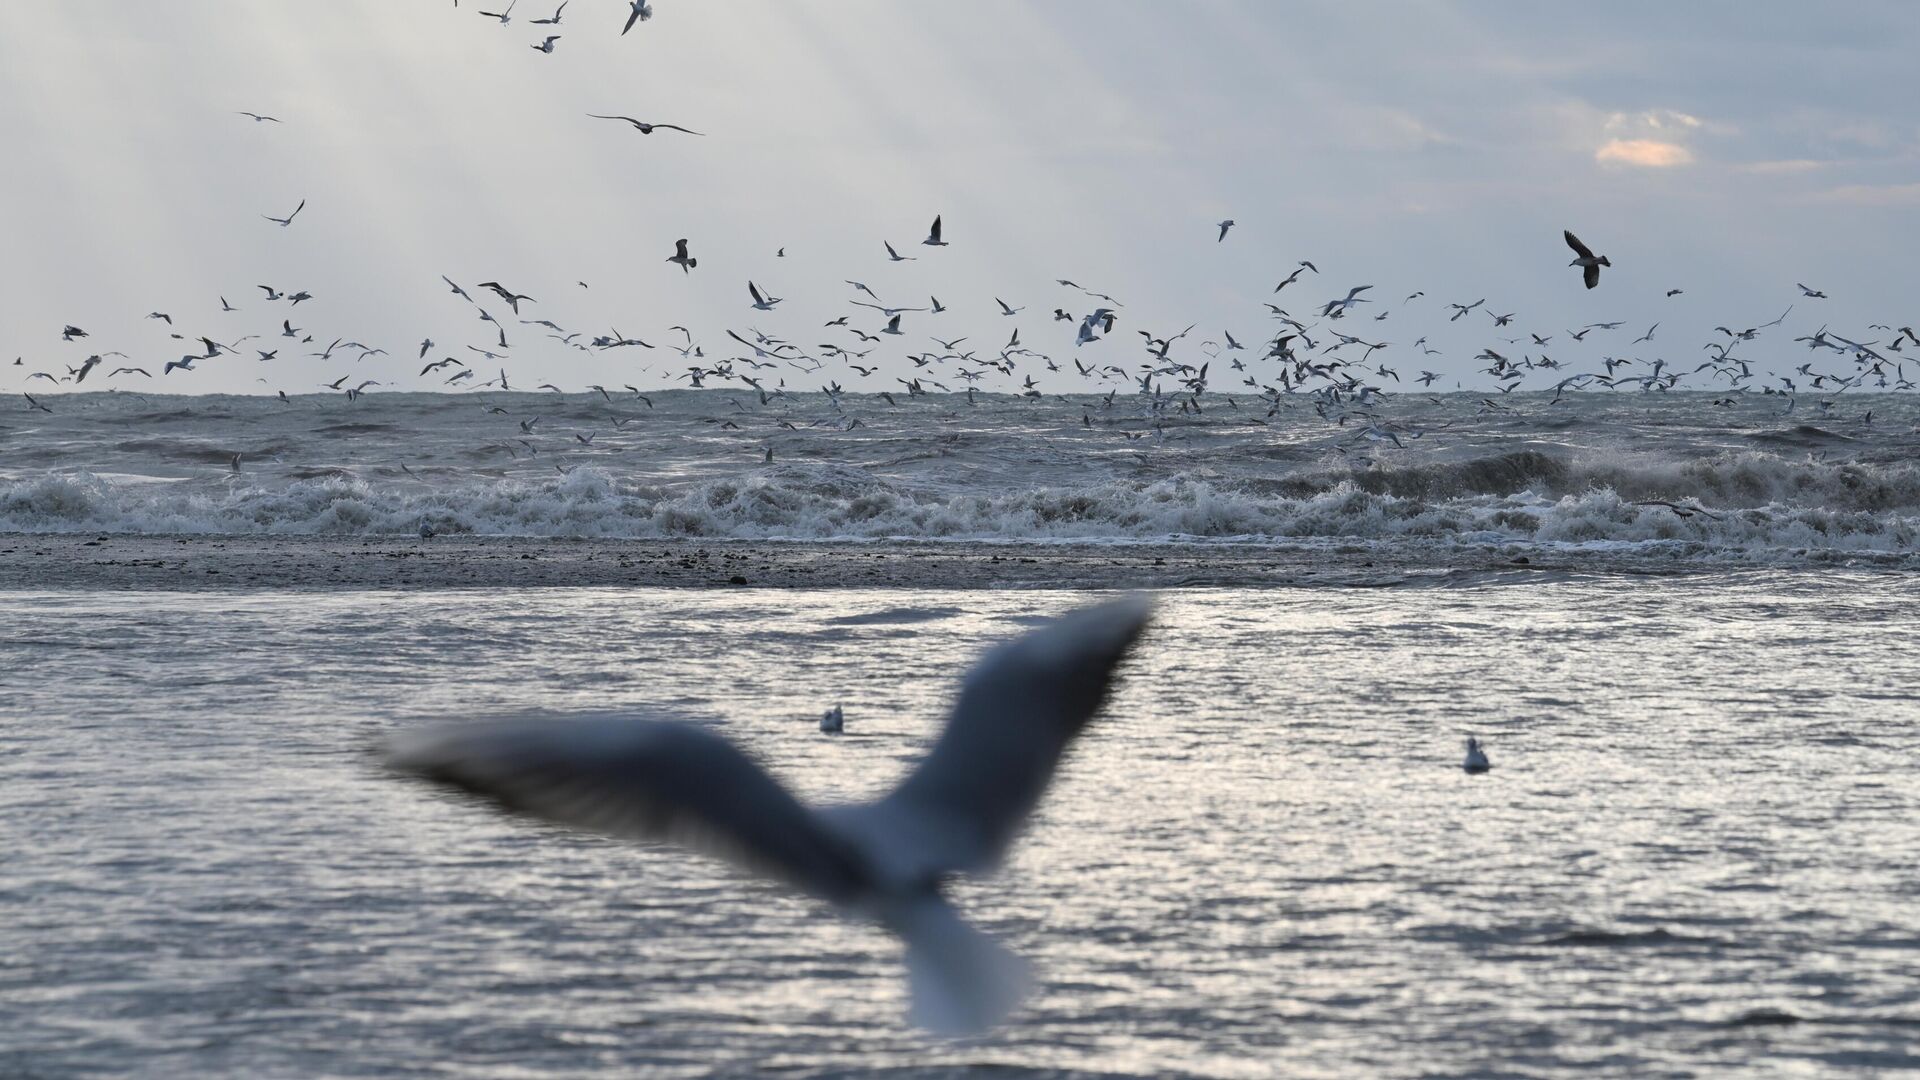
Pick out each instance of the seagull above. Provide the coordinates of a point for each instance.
(643, 127)
(933, 235)
(288, 220)
(761, 302)
(547, 45)
(680, 256)
(642, 11)
(555, 21)
(1585, 258)
(512, 298)
(833, 721)
(894, 256)
(1814, 293)
(505, 17)
(258, 118)
(1476, 757)
(32, 404)
(1224, 226)
(887, 861)
(1005, 309)
(1352, 298)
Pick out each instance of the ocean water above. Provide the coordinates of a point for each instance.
(1695, 856)
(1764, 480)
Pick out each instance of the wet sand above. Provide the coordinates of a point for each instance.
(149, 563)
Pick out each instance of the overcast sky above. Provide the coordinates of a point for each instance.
(1727, 149)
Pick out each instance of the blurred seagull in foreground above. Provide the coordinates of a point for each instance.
(957, 812)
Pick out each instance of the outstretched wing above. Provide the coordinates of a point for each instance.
(1018, 709)
(1573, 242)
(1592, 274)
(640, 778)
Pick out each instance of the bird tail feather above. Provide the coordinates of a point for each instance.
(961, 980)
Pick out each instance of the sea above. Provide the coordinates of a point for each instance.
(1697, 853)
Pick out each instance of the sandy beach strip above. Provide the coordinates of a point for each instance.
(146, 563)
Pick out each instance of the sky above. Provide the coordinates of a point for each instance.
(1727, 149)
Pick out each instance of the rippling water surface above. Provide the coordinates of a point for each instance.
(1695, 854)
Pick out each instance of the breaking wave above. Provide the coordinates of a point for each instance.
(1748, 502)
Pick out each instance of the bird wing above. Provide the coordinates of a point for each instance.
(935, 234)
(677, 127)
(646, 779)
(1573, 242)
(1018, 709)
(1592, 275)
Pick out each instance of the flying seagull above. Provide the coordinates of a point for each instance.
(642, 11)
(288, 220)
(680, 256)
(555, 21)
(933, 234)
(258, 118)
(547, 45)
(645, 128)
(1224, 226)
(956, 813)
(1585, 258)
(1814, 293)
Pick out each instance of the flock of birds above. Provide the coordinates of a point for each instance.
(1314, 357)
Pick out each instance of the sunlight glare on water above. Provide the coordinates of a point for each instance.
(1694, 851)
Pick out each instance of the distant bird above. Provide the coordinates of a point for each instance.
(643, 127)
(33, 404)
(761, 302)
(258, 118)
(833, 721)
(958, 812)
(1224, 226)
(1476, 757)
(68, 333)
(512, 298)
(161, 315)
(506, 16)
(686, 262)
(1005, 309)
(1814, 293)
(1353, 297)
(555, 20)
(288, 220)
(547, 45)
(894, 256)
(1585, 259)
(642, 11)
(933, 235)
(1675, 292)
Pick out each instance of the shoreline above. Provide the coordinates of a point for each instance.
(147, 563)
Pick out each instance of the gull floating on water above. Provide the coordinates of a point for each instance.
(956, 813)
(1476, 757)
(833, 721)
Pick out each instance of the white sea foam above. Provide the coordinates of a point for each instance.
(1606, 471)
